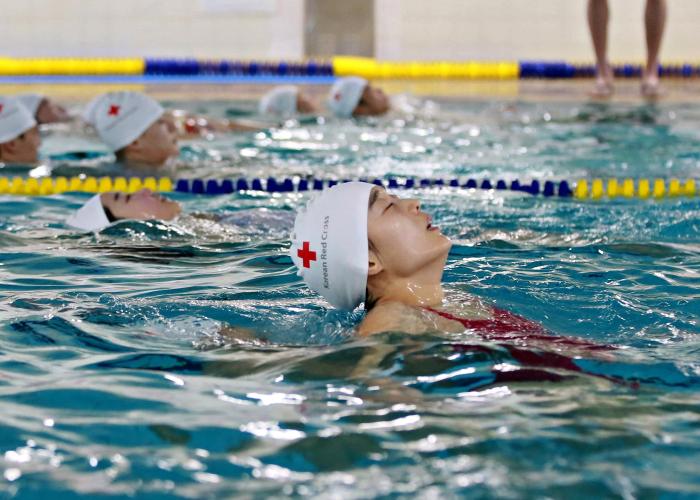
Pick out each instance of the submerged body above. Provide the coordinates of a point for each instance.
(384, 251)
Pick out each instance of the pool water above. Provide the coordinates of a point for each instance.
(116, 381)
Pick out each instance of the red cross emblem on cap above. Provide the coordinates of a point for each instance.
(306, 255)
(113, 110)
(337, 96)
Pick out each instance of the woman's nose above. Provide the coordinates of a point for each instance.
(413, 205)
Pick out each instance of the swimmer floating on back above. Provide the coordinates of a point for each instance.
(355, 243)
(105, 209)
(141, 133)
(134, 127)
(355, 96)
(349, 96)
(43, 109)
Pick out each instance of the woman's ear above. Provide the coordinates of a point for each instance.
(10, 146)
(133, 148)
(374, 263)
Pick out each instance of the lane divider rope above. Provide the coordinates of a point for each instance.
(336, 66)
(581, 189)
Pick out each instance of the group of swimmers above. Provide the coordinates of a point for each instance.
(353, 244)
(356, 244)
(142, 134)
(144, 137)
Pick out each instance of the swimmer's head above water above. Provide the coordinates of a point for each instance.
(43, 109)
(357, 243)
(133, 126)
(104, 209)
(354, 96)
(19, 135)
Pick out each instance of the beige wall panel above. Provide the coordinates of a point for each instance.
(524, 29)
(155, 28)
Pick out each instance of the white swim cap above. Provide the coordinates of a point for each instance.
(15, 119)
(31, 102)
(281, 101)
(330, 246)
(121, 117)
(90, 217)
(345, 94)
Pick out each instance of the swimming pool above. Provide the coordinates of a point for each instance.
(115, 381)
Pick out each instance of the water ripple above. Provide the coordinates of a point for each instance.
(119, 375)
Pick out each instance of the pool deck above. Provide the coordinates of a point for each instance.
(627, 90)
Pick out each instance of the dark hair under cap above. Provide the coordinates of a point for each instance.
(109, 214)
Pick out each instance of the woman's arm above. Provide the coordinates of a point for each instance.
(188, 125)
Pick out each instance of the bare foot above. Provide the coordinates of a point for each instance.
(603, 88)
(650, 88)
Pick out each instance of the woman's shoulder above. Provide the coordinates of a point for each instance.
(392, 316)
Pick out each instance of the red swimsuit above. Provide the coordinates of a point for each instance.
(506, 326)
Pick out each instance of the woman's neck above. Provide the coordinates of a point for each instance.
(141, 166)
(421, 290)
(413, 294)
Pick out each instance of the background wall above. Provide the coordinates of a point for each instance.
(525, 29)
(403, 29)
(339, 27)
(155, 28)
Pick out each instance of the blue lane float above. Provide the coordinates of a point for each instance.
(562, 69)
(194, 67)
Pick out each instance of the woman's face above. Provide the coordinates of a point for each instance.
(372, 103)
(402, 237)
(158, 143)
(141, 205)
(23, 149)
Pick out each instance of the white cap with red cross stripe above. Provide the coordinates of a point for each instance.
(14, 119)
(121, 117)
(330, 246)
(345, 95)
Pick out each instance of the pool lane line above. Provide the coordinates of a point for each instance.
(581, 189)
(190, 70)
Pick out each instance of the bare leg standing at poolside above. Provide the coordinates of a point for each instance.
(654, 22)
(598, 24)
